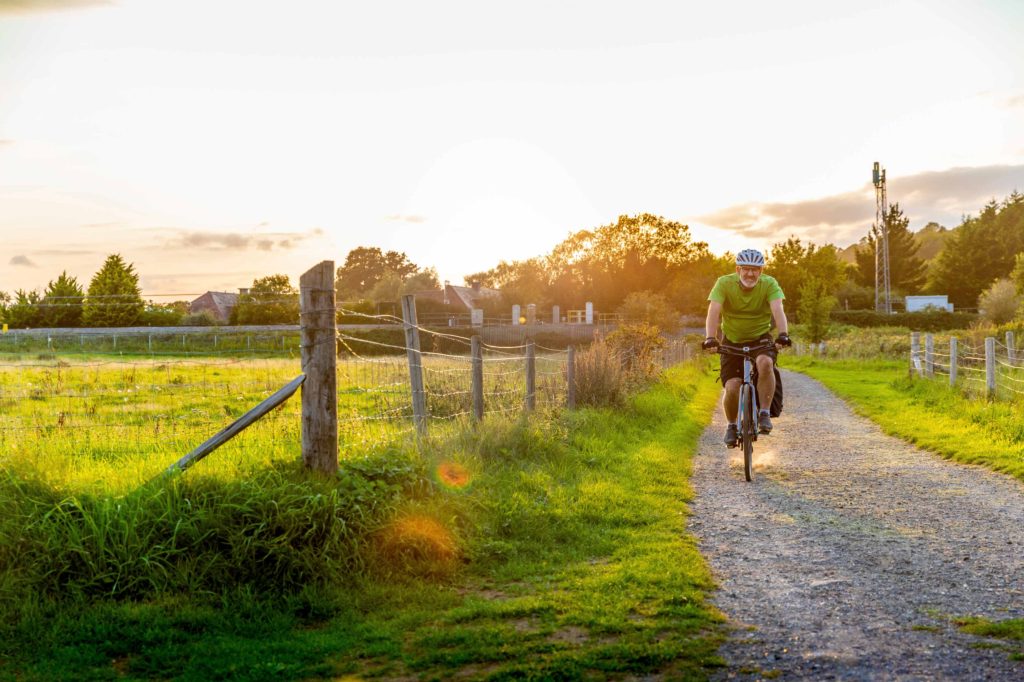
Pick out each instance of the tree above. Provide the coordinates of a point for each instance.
(365, 266)
(794, 265)
(114, 298)
(979, 251)
(906, 270)
(271, 300)
(23, 312)
(999, 303)
(650, 308)
(816, 304)
(62, 302)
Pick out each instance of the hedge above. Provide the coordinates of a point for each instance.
(924, 321)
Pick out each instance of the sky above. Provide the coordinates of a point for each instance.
(213, 142)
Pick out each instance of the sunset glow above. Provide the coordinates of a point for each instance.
(212, 143)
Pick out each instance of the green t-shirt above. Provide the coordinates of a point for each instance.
(746, 315)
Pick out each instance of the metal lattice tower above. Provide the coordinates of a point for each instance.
(883, 290)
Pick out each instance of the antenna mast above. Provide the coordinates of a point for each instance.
(883, 292)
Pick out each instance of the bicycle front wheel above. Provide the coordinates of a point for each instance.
(748, 429)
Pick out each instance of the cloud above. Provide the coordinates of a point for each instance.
(63, 252)
(240, 241)
(942, 196)
(1015, 101)
(23, 261)
(39, 6)
(5, 142)
(398, 217)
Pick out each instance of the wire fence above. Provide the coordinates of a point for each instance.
(987, 368)
(130, 396)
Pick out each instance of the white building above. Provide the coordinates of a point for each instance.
(916, 303)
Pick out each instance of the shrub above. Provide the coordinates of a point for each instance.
(600, 378)
(999, 303)
(204, 318)
(636, 346)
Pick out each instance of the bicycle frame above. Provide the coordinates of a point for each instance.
(746, 414)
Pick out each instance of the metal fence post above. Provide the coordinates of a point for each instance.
(952, 360)
(320, 365)
(531, 375)
(412, 350)
(477, 353)
(990, 366)
(1011, 349)
(929, 355)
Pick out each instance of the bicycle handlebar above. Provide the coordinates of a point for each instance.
(742, 351)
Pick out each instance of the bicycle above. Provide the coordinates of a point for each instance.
(746, 416)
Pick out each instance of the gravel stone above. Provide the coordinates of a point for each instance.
(850, 552)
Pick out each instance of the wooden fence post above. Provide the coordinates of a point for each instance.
(320, 365)
(952, 360)
(531, 375)
(570, 378)
(477, 353)
(1011, 349)
(990, 366)
(915, 352)
(412, 350)
(929, 355)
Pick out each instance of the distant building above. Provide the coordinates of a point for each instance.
(218, 303)
(917, 303)
(461, 297)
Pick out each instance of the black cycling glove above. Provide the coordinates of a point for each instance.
(784, 340)
(709, 343)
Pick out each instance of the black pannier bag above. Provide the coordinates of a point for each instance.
(776, 407)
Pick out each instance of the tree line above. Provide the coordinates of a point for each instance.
(642, 266)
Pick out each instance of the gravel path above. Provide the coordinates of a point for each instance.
(847, 555)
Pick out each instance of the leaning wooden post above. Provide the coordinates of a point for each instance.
(929, 355)
(1011, 349)
(412, 350)
(531, 375)
(990, 366)
(320, 365)
(477, 353)
(570, 378)
(952, 360)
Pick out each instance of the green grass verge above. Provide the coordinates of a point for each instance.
(573, 561)
(1011, 630)
(930, 414)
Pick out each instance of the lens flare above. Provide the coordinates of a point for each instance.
(454, 476)
(419, 544)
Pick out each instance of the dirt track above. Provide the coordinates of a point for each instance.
(851, 550)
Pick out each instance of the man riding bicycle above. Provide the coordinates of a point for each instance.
(745, 303)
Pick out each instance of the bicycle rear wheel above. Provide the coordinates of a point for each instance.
(748, 429)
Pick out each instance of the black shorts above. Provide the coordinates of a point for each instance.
(732, 365)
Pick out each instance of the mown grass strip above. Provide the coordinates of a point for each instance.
(576, 564)
(928, 413)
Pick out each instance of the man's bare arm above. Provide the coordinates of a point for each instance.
(714, 317)
(781, 323)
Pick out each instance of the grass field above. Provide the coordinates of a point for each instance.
(548, 547)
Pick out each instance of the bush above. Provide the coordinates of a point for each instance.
(204, 318)
(600, 378)
(651, 308)
(636, 346)
(999, 303)
(931, 321)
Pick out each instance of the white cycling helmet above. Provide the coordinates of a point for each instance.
(750, 257)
